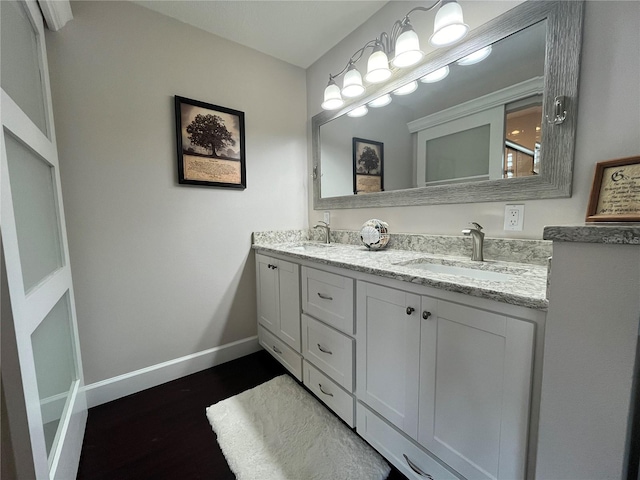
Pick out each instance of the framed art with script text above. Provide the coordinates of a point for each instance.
(210, 142)
(615, 193)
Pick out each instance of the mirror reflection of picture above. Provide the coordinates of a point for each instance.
(368, 158)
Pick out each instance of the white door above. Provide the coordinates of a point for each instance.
(41, 365)
(388, 353)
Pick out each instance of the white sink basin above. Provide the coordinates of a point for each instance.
(461, 271)
(304, 247)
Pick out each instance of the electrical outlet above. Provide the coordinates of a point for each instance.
(327, 217)
(513, 217)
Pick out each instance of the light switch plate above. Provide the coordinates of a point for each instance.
(513, 217)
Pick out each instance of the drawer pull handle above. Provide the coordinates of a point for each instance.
(410, 310)
(416, 469)
(325, 296)
(276, 349)
(426, 314)
(323, 350)
(272, 266)
(322, 390)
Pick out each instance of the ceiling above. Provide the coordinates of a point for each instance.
(297, 31)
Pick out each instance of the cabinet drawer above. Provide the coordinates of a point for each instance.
(394, 446)
(329, 350)
(330, 393)
(282, 352)
(328, 297)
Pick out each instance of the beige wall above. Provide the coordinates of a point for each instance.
(608, 120)
(163, 270)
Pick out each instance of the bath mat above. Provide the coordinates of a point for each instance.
(278, 431)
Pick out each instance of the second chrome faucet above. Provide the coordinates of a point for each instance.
(478, 241)
(327, 231)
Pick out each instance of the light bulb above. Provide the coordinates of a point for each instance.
(360, 111)
(380, 101)
(448, 26)
(352, 85)
(436, 76)
(377, 67)
(475, 57)
(407, 48)
(332, 98)
(406, 89)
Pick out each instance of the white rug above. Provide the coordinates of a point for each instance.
(278, 431)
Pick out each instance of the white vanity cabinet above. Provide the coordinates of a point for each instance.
(442, 384)
(278, 291)
(454, 377)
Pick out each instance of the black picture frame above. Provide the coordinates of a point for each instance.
(203, 130)
(368, 166)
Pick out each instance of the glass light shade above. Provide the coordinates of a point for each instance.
(406, 89)
(380, 101)
(332, 98)
(407, 49)
(436, 76)
(377, 67)
(449, 26)
(476, 57)
(352, 84)
(361, 111)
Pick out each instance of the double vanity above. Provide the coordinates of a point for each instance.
(434, 359)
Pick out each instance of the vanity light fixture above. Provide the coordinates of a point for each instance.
(402, 45)
(475, 57)
(380, 101)
(406, 89)
(436, 75)
(360, 111)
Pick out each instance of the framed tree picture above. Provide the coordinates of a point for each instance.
(368, 163)
(210, 141)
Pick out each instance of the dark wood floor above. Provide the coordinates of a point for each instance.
(163, 433)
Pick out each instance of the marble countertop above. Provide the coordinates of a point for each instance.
(525, 285)
(611, 233)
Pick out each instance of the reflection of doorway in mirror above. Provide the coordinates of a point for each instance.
(523, 130)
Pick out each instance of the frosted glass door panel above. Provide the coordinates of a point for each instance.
(55, 362)
(37, 222)
(20, 71)
(459, 155)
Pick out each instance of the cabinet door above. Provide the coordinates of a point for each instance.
(289, 299)
(268, 290)
(388, 351)
(475, 384)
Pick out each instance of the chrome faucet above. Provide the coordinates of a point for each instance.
(327, 231)
(478, 240)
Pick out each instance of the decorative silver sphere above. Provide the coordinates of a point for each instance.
(374, 234)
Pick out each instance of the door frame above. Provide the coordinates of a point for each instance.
(28, 309)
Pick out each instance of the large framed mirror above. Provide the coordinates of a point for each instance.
(486, 132)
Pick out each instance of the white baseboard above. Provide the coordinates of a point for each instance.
(123, 385)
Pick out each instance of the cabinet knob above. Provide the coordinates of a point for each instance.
(410, 310)
(426, 314)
